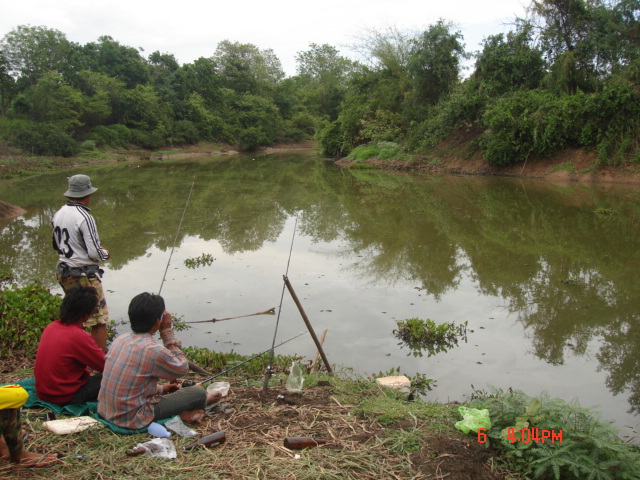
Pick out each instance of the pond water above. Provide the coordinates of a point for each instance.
(545, 275)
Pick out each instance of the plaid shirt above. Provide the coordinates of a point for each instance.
(135, 362)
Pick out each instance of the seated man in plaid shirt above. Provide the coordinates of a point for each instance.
(130, 395)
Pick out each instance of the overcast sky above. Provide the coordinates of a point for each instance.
(190, 29)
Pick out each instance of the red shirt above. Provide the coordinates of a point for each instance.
(64, 353)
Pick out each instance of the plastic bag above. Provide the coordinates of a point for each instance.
(473, 419)
(176, 425)
(219, 387)
(295, 380)
(158, 447)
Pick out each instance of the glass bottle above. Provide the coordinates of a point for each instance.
(211, 440)
(298, 443)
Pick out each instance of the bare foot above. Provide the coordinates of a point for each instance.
(33, 460)
(192, 415)
(4, 449)
(213, 397)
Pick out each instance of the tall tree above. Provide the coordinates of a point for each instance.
(586, 40)
(7, 85)
(111, 58)
(102, 94)
(52, 100)
(245, 68)
(30, 52)
(509, 63)
(323, 79)
(435, 62)
(199, 77)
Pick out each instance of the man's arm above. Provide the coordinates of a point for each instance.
(89, 233)
(171, 362)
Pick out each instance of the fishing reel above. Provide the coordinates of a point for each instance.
(188, 383)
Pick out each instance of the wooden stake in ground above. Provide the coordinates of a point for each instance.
(308, 323)
(312, 369)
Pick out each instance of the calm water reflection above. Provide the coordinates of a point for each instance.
(549, 287)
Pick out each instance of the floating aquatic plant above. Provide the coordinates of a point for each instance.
(419, 335)
(204, 259)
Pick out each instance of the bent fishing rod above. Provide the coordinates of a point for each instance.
(175, 239)
(191, 383)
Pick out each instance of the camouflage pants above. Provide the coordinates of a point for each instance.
(101, 315)
(11, 430)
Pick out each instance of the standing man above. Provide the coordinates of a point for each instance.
(75, 238)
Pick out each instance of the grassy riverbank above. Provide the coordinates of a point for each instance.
(370, 433)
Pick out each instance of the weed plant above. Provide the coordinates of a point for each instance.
(387, 151)
(24, 313)
(419, 335)
(581, 447)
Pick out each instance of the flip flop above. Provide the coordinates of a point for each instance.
(46, 460)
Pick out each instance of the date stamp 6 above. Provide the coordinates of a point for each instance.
(525, 435)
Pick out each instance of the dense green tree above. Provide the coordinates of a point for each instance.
(323, 79)
(7, 85)
(102, 94)
(163, 68)
(210, 125)
(435, 63)
(245, 68)
(30, 52)
(254, 120)
(52, 100)
(509, 63)
(585, 40)
(111, 58)
(199, 77)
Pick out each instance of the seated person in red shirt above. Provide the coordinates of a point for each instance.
(130, 396)
(67, 352)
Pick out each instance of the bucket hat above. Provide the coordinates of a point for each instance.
(79, 186)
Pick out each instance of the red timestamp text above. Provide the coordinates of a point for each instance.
(526, 435)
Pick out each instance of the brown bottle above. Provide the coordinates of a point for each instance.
(298, 443)
(211, 440)
(134, 452)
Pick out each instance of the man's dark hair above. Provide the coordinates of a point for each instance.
(144, 310)
(78, 302)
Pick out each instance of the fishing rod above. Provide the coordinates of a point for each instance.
(176, 238)
(270, 311)
(269, 371)
(191, 383)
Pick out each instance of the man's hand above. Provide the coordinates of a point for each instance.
(166, 321)
(169, 388)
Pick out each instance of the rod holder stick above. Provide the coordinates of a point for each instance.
(308, 323)
(313, 367)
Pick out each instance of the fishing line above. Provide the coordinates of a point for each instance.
(176, 238)
(189, 383)
(275, 333)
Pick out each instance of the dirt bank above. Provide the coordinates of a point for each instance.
(571, 165)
